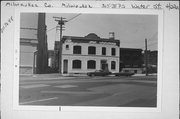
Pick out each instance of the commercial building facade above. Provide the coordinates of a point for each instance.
(87, 54)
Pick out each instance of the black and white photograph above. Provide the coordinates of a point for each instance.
(85, 59)
(89, 60)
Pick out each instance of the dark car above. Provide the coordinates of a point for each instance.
(99, 73)
(123, 74)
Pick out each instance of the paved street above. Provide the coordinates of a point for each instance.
(88, 91)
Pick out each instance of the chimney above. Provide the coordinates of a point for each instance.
(111, 35)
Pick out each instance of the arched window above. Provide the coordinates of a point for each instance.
(113, 51)
(113, 65)
(76, 64)
(77, 49)
(92, 50)
(91, 64)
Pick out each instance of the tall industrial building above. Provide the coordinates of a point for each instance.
(33, 43)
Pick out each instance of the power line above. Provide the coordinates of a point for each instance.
(51, 29)
(73, 17)
(150, 39)
(152, 44)
(66, 21)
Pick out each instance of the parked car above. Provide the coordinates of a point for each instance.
(99, 73)
(123, 74)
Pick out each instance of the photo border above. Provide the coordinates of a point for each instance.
(18, 11)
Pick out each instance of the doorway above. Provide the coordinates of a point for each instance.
(65, 71)
(104, 65)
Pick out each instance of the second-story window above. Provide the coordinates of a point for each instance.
(103, 51)
(67, 47)
(77, 49)
(91, 50)
(113, 51)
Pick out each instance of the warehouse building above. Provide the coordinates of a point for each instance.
(131, 60)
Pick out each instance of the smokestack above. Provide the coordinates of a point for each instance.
(111, 35)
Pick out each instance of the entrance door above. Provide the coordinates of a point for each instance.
(104, 65)
(65, 67)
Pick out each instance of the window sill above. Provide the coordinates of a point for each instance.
(91, 69)
(76, 68)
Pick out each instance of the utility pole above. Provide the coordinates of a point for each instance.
(146, 58)
(61, 21)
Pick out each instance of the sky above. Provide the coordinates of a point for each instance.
(131, 30)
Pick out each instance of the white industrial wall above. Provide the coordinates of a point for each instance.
(84, 48)
(67, 54)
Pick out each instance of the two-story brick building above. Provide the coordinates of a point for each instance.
(87, 54)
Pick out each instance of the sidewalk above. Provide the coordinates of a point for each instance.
(154, 74)
(54, 76)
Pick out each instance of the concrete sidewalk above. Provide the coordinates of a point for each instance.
(154, 74)
(54, 76)
(57, 76)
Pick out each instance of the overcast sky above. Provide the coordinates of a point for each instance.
(131, 30)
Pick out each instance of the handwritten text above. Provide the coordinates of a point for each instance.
(120, 5)
(113, 6)
(68, 5)
(141, 6)
(172, 6)
(21, 4)
(6, 24)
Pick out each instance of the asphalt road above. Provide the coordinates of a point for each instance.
(87, 91)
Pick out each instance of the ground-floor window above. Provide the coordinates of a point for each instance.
(126, 70)
(113, 65)
(135, 71)
(91, 64)
(76, 64)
